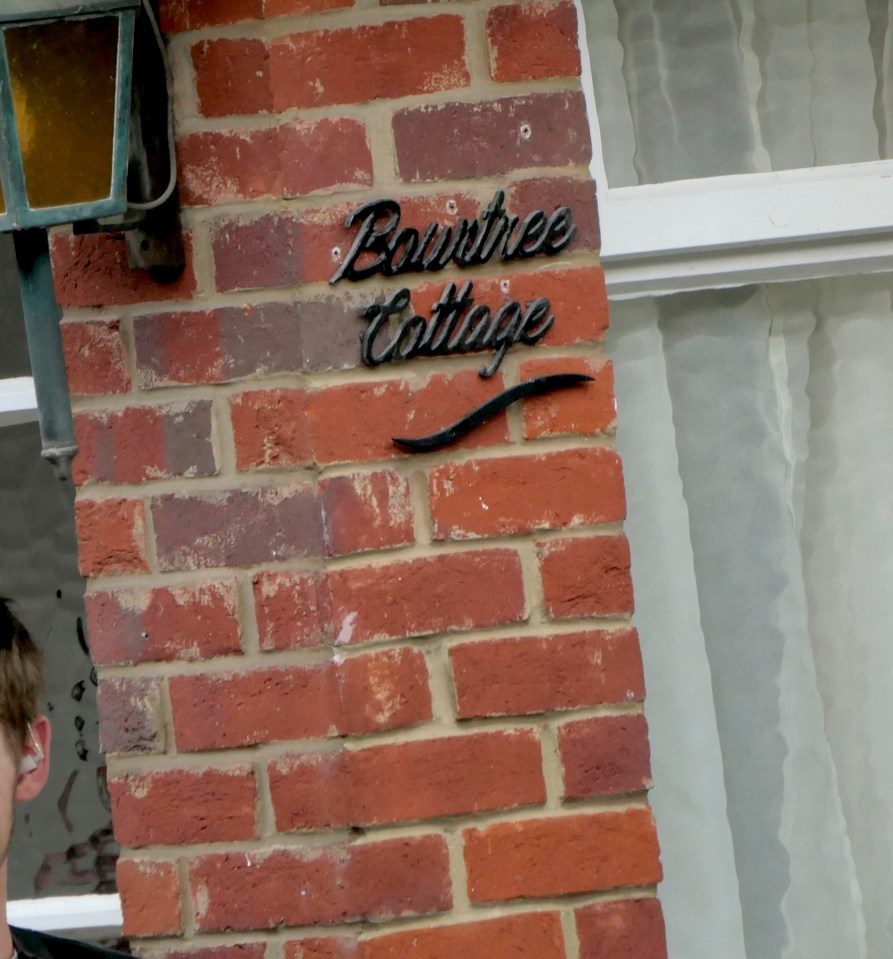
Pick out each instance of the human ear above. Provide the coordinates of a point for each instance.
(35, 766)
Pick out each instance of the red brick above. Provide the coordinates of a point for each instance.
(504, 677)
(604, 756)
(179, 622)
(308, 69)
(95, 358)
(293, 610)
(470, 140)
(364, 694)
(232, 77)
(233, 165)
(437, 594)
(237, 528)
(558, 490)
(150, 897)
(629, 929)
(144, 443)
(182, 807)
(130, 715)
(292, 160)
(533, 41)
(367, 511)
(374, 881)
(550, 192)
(356, 422)
(92, 270)
(578, 299)
(218, 346)
(111, 536)
(324, 947)
(586, 577)
(270, 429)
(562, 856)
(324, 155)
(532, 935)
(588, 410)
(178, 15)
(409, 781)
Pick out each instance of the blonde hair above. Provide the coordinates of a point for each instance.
(21, 678)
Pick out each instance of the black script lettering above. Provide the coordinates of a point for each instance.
(531, 237)
(369, 240)
(560, 230)
(537, 312)
(473, 330)
(378, 315)
(444, 317)
(408, 238)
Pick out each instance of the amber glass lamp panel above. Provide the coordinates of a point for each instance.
(63, 75)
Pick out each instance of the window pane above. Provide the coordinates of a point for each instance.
(699, 88)
(755, 429)
(63, 84)
(14, 354)
(63, 841)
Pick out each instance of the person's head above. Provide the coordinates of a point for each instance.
(24, 744)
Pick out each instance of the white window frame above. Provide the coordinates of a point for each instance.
(732, 230)
(99, 915)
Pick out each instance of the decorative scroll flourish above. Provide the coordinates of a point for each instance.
(486, 411)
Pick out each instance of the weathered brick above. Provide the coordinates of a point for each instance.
(144, 442)
(130, 715)
(178, 15)
(549, 193)
(374, 881)
(532, 41)
(291, 160)
(517, 494)
(218, 346)
(531, 935)
(92, 270)
(408, 781)
(181, 807)
(586, 577)
(437, 594)
(237, 528)
(293, 610)
(562, 856)
(504, 677)
(362, 694)
(150, 897)
(356, 422)
(232, 77)
(270, 429)
(95, 358)
(366, 511)
(324, 947)
(111, 536)
(179, 622)
(629, 929)
(469, 140)
(243, 950)
(587, 410)
(605, 755)
(308, 69)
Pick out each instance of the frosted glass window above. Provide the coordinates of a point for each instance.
(756, 431)
(62, 842)
(705, 88)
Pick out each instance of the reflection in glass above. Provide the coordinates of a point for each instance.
(63, 84)
(63, 842)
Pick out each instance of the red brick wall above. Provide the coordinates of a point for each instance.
(359, 703)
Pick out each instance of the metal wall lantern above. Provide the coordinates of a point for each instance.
(66, 112)
(65, 80)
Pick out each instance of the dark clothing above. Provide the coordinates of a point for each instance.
(39, 945)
